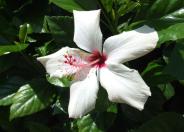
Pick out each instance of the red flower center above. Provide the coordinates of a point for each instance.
(97, 59)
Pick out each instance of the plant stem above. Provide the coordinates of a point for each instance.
(111, 25)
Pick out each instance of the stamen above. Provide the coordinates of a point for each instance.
(69, 59)
(73, 61)
(96, 59)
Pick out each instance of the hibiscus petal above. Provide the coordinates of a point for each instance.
(83, 95)
(130, 45)
(55, 64)
(87, 33)
(124, 85)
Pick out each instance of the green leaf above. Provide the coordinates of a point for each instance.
(8, 32)
(61, 28)
(5, 63)
(112, 108)
(86, 124)
(181, 82)
(37, 127)
(165, 122)
(127, 6)
(167, 19)
(88, 4)
(176, 62)
(102, 102)
(173, 32)
(63, 101)
(68, 5)
(45, 49)
(103, 116)
(170, 27)
(31, 98)
(159, 8)
(2, 3)
(33, 12)
(8, 48)
(58, 108)
(62, 82)
(8, 100)
(167, 90)
(153, 107)
(96, 122)
(154, 73)
(4, 120)
(176, 16)
(107, 4)
(8, 87)
(24, 30)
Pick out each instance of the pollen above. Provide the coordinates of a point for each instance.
(69, 59)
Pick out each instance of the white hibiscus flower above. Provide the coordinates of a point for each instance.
(101, 63)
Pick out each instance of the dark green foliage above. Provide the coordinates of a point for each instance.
(31, 101)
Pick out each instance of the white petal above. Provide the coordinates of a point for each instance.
(124, 85)
(87, 34)
(83, 95)
(131, 45)
(55, 63)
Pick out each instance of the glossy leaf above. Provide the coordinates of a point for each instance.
(167, 90)
(153, 107)
(87, 124)
(166, 122)
(8, 48)
(96, 122)
(7, 100)
(24, 30)
(31, 98)
(43, 102)
(154, 73)
(68, 5)
(61, 28)
(8, 88)
(159, 8)
(174, 32)
(62, 82)
(169, 27)
(102, 102)
(176, 62)
(88, 4)
(176, 16)
(107, 4)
